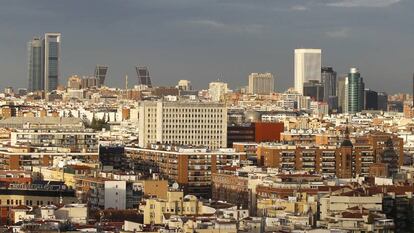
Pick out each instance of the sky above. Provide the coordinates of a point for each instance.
(204, 40)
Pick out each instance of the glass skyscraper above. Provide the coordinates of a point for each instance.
(44, 62)
(143, 76)
(100, 74)
(355, 91)
(328, 76)
(35, 65)
(51, 44)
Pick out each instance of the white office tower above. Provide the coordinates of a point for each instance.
(217, 90)
(182, 122)
(307, 67)
(261, 83)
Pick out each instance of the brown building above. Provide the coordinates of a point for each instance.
(191, 168)
(24, 158)
(254, 132)
(229, 187)
(346, 161)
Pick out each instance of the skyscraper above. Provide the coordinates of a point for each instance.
(354, 91)
(261, 83)
(143, 76)
(100, 74)
(51, 46)
(340, 91)
(307, 67)
(35, 68)
(328, 78)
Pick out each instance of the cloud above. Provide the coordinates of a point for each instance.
(340, 33)
(362, 3)
(224, 27)
(298, 8)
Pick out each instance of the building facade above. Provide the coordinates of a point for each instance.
(51, 61)
(35, 69)
(182, 122)
(354, 91)
(328, 78)
(191, 168)
(261, 83)
(143, 76)
(100, 74)
(217, 90)
(307, 67)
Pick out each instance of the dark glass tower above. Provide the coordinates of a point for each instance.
(328, 78)
(35, 65)
(370, 99)
(51, 44)
(143, 76)
(100, 74)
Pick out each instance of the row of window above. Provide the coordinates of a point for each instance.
(28, 202)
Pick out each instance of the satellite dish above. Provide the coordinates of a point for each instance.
(175, 186)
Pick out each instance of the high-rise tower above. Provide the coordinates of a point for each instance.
(35, 65)
(143, 76)
(261, 83)
(328, 78)
(100, 74)
(51, 58)
(307, 67)
(354, 91)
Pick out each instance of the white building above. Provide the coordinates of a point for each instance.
(261, 83)
(216, 90)
(184, 85)
(115, 194)
(182, 122)
(307, 67)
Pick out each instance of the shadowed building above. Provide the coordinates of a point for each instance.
(51, 44)
(35, 69)
(100, 74)
(143, 76)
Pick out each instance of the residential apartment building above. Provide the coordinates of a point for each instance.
(81, 140)
(346, 161)
(217, 90)
(191, 168)
(175, 204)
(25, 158)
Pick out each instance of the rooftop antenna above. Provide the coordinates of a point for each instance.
(220, 77)
(126, 82)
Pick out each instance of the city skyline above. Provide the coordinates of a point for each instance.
(199, 47)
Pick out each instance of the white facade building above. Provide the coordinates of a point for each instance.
(261, 83)
(115, 194)
(182, 122)
(217, 90)
(184, 85)
(307, 67)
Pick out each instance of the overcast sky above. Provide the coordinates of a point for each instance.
(201, 40)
